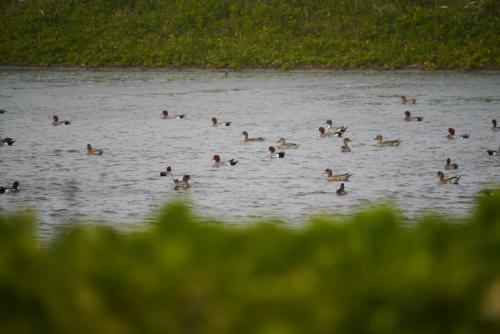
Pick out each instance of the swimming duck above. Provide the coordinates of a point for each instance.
(494, 152)
(13, 189)
(166, 116)
(215, 123)
(448, 180)
(449, 165)
(409, 117)
(219, 163)
(6, 141)
(344, 147)
(255, 139)
(94, 151)
(337, 131)
(184, 183)
(274, 154)
(495, 127)
(56, 121)
(407, 100)
(283, 145)
(337, 177)
(341, 191)
(451, 134)
(2, 111)
(325, 133)
(167, 172)
(381, 143)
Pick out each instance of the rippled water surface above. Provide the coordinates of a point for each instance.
(120, 111)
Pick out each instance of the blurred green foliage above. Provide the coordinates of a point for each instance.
(459, 34)
(373, 272)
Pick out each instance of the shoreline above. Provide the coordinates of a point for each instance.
(194, 69)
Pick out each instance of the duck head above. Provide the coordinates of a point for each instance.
(244, 133)
(329, 172)
(15, 185)
(322, 130)
(494, 122)
(214, 120)
(407, 113)
(186, 178)
(451, 131)
(55, 118)
(346, 140)
(379, 137)
(329, 122)
(216, 158)
(440, 175)
(281, 140)
(165, 113)
(89, 147)
(448, 161)
(272, 149)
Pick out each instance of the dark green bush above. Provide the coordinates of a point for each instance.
(373, 272)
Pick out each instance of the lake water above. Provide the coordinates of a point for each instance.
(120, 111)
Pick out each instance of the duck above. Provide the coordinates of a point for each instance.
(407, 100)
(283, 145)
(494, 152)
(94, 151)
(57, 122)
(167, 172)
(324, 133)
(215, 123)
(337, 131)
(255, 139)
(274, 154)
(341, 191)
(449, 165)
(184, 183)
(447, 180)
(7, 141)
(409, 117)
(344, 147)
(338, 177)
(13, 189)
(166, 116)
(2, 111)
(451, 134)
(495, 127)
(381, 143)
(219, 163)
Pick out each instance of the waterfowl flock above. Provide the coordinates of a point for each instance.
(328, 129)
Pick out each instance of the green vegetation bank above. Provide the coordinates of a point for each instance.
(458, 34)
(372, 272)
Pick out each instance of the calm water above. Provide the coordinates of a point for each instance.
(119, 111)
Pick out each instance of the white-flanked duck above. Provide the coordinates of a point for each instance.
(447, 180)
(344, 147)
(6, 141)
(274, 154)
(254, 139)
(336, 177)
(13, 189)
(341, 191)
(407, 100)
(57, 122)
(167, 172)
(383, 143)
(452, 135)
(184, 183)
(219, 163)
(283, 145)
(323, 133)
(494, 126)
(409, 117)
(337, 131)
(167, 116)
(94, 151)
(216, 123)
(449, 165)
(494, 152)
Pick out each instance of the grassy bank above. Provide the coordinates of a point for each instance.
(459, 34)
(369, 273)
